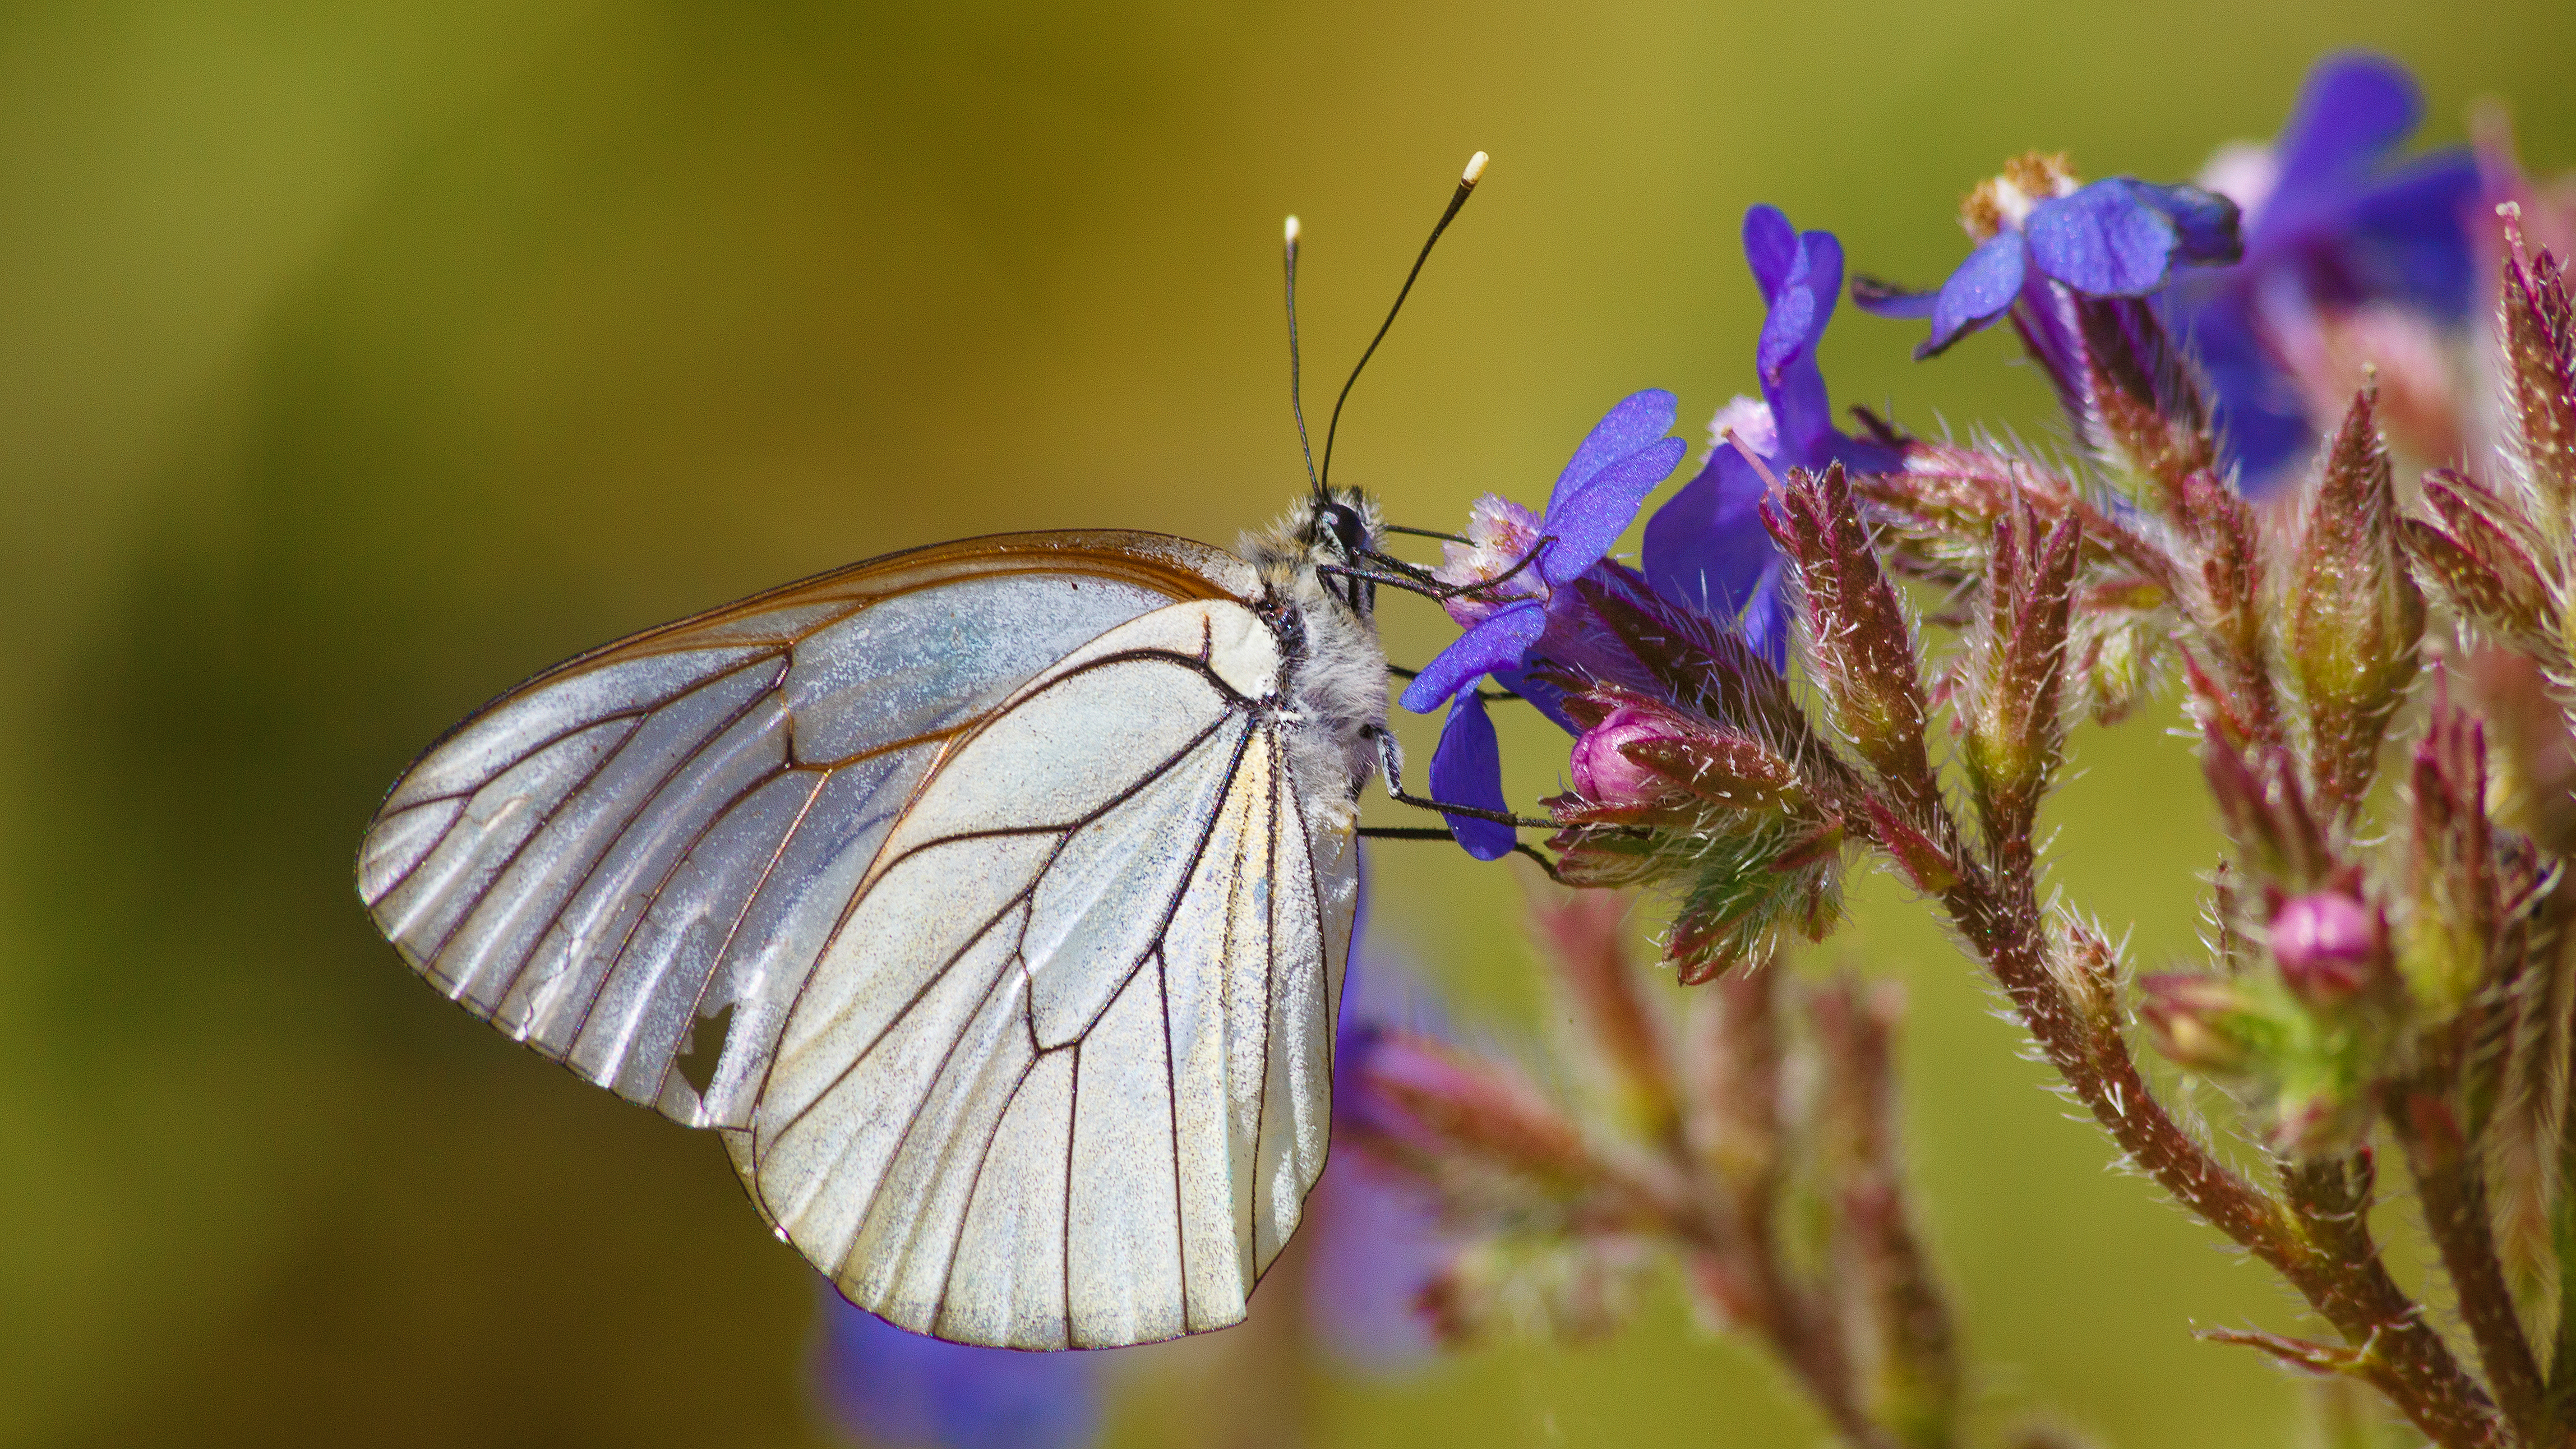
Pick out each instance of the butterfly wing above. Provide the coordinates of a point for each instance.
(956, 853)
(1077, 1089)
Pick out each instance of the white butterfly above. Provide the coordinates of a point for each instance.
(1006, 886)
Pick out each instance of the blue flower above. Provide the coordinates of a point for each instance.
(2334, 222)
(1706, 547)
(1619, 462)
(904, 1391)
(2115, 238)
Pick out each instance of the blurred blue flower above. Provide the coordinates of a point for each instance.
(2333, 222)
(1706, 547)
(1619, 462)
(901, 1390)
(2119, 237)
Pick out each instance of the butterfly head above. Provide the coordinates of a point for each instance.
(1327, 530)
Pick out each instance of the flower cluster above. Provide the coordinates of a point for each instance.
(1839, 650)
(2253, 369)
(1572, 621)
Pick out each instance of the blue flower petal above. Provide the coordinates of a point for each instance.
(1497, 643)
(1379, 1244)
(1638, 419)
(1765, 622)
(2208, 229)
(1587, 522)
(1800, 306)
(1859, 455)
(2352, 110)
(1978, 292)
(1886, 299)
(2259, 413)
(2407, 240)
(1706, 547)
(1771, 247)
(2103, 240)
(894, 1387)
(1790, 326)
(1784, 360)
(1467, 769)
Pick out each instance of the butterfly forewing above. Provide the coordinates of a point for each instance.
(988, 866)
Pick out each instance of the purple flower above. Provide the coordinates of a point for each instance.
(1706, 547)
(905, 1391)
(1467, 769)
(2334, 224)
(1620, 461)
(2119, 237)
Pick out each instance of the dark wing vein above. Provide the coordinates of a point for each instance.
(680, 860)
(627, 821)
(1269, 995)
(1171, 1069)
(933, 977)
(724, 948)
(530, 753)
(975, 1184)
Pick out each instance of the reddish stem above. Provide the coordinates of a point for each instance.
(2001, 920)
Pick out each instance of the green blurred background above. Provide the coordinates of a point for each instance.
(357, 360)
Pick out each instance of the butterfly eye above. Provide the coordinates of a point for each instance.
(1344, 520)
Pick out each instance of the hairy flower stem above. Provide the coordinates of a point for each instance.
(1795, 1326)
(1735, 1252)
(2455, 1216)
(2000, 919)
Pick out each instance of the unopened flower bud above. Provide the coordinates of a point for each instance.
(2355, 612)
(2199, 1022)
(1604, 773)
(2329, 946)
(1860, 646)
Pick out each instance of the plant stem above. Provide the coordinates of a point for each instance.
(2455, 1216)
(1788, 1323)
(2000, 918)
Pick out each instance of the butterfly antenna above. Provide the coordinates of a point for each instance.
(1466, 185)
(1296, 398)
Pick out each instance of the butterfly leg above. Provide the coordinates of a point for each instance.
(1390, 758)
(1437, 832)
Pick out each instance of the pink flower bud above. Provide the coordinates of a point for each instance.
(1604, 774)
(2329, 947)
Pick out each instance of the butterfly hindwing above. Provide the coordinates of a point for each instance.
(1051, 1124)
(969, 891)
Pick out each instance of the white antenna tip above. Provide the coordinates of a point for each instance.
(1292, 231)
(1475, 168)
